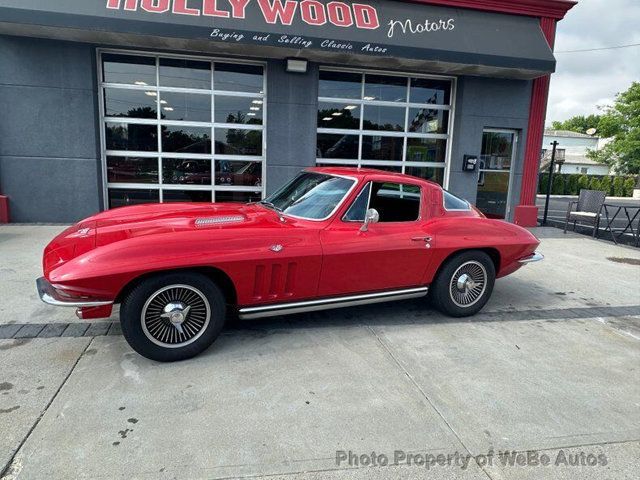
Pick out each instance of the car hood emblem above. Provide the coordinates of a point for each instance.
(276, 248)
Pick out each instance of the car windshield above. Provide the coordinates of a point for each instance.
(310, 195)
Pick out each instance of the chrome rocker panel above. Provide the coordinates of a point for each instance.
(49, 295)
(328, 303)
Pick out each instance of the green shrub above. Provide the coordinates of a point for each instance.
(558, 185)
(594, 183)
(583, 182)
(543, 181)
(571, 185)
(618, 187)
(605, 184)
(629, 183)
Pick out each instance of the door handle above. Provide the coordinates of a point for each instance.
(421, 239)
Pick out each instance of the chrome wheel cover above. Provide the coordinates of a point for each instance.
(468, 284)
(175, 316)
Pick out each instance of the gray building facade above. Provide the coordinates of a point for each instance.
(143, 110)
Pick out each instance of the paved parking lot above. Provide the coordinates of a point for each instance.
(550, 366)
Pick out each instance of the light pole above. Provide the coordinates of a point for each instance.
(554, 144)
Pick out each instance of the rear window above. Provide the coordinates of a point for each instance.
(451, 202)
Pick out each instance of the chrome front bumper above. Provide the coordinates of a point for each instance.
(48, 294)
(534, 257)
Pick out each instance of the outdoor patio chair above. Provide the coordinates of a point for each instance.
(588, 209)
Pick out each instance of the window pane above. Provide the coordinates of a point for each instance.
(340, 84)
(123, 197)
(238, 78)
(125, 136)
(129, 69)
(232, 141)
(383, 118)
(130, 103)
(186, 196)
(185, 73)
(187, 172)
(451, 202)
(239, 173)
(435, 174)
(132, 170)
(497, 149)
(381, 148)
(189, 107)
(238, 196)
(238, 110)
(331, 145)
(390, 89)
(426, 150)
(395, 202)
(356, 212)
(186, 139)
(425, 90)
(338, 115)
(424, 120)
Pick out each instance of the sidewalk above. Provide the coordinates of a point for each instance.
(549, 365)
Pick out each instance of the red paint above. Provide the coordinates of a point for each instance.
(534, 8)
(339, 14)
(4, 209)
(210, 9)
(99, 256)
(180, 7)
(312, 12)
(238, 8)
(155, 6)
(275, 12)
(365, 16)
(526, 214)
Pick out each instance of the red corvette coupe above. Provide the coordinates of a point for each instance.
(332, 237)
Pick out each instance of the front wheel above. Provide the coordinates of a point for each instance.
(173, 316)
(464, 284)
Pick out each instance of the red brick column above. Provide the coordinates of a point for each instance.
(526, 213)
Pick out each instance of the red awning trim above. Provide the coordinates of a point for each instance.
(532, 8)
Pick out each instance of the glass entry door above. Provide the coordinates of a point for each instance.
(494, 173)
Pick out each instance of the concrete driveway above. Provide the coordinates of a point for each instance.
(551, 366)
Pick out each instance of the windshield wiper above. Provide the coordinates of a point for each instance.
(273, 207)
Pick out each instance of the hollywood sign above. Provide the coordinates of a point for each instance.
(312, 12)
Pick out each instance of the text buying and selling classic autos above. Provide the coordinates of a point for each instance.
(332, 237)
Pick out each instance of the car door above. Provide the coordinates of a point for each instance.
(391, 254)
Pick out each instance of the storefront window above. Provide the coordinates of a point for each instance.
(181, 129)
(393, 122)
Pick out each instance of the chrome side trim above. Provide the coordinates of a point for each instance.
(327, 303)
(534, 257)
(48, 294)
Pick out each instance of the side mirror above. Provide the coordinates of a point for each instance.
(372, 216)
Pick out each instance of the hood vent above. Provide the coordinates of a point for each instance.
(203, 222)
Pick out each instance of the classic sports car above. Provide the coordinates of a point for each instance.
(332, 237)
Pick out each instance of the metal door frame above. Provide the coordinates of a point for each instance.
(514, 151)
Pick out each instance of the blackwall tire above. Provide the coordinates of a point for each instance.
(464, 284)
(173, 317)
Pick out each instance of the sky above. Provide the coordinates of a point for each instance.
(584, 80)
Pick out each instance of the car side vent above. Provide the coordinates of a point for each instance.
(203, 222)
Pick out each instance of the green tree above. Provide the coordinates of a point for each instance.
(572, 185)
(557, 187)
(605, 184)
(579, 123)
(583, 182)
(622, 122)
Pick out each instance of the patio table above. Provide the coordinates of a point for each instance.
(611, 211)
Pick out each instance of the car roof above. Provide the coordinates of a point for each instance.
(362, 172)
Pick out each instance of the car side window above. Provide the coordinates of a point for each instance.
(451, 202)
(395, 202)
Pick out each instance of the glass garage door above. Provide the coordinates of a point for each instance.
(181, 129)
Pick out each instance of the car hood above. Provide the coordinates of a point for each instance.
(151, 219)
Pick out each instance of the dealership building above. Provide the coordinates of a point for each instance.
(106, 103)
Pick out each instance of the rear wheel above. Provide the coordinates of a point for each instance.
(464, 284)
(173, 317)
